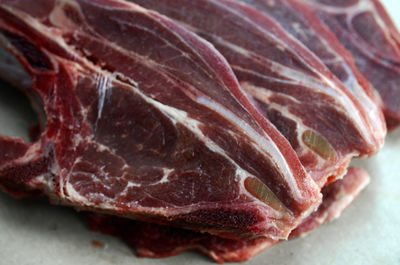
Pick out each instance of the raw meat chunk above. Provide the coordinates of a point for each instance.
(146, 120)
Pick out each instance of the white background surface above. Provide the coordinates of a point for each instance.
(35, 233)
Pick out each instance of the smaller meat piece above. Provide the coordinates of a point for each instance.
(157, 241)
(150, 240)
(337, 196)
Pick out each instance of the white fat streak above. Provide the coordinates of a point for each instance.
(263, 94)
(131, 184)
(166, 172)
(351, 10)
(357, 8)
(30, 154)
(164, 179)
(77, 139)
(101, 147)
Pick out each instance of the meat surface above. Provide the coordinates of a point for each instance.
(146, 120)
(324, 122)
(366, 30)
(150, 240)
(301, 22)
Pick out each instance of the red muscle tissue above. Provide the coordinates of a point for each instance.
(222, 126)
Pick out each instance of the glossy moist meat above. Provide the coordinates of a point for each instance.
(366, 30)
(147, 121)
(323, 121)
(150, 240)
(301, 22)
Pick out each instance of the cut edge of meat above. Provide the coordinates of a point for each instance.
(146, 238)
(337, 197)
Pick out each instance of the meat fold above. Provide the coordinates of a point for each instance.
(150, 240)
(366, 30)
(146, 120)
(322, 119)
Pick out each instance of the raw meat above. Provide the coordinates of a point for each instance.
(150, 240)
(304, 25)
(157, 241)
(323, 121)
(337, 196)
(366, 30)
(146, 120)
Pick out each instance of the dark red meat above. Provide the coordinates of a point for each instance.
(146, 120)
(325, 123)
(150, 240)
(301, 22)
(366, 30)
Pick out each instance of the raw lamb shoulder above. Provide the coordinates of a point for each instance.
(146, 120)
